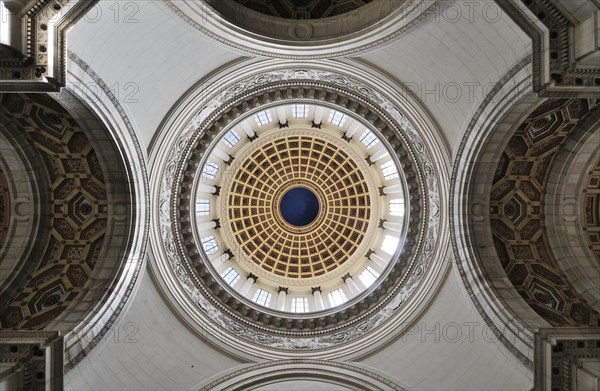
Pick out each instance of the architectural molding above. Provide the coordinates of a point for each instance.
(38, 61)
(31, 360)
(343, 374)
(568, 207)
(275, 343)
(567, 358)
(356, 31)
(557, 70)
(89, 333)
(469, 209)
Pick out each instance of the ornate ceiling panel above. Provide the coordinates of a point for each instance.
(77, 212)
(591, 212)
(313, 249)
(562, 67)
(36, 62)
(4, 208)
(517, 213)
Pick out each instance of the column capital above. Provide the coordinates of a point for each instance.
(316, 289)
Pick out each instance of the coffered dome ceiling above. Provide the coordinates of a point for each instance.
(302, 213)
(262, 201)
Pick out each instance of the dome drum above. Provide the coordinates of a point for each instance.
(252, 304)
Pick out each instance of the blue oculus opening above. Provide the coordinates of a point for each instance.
(299, 206)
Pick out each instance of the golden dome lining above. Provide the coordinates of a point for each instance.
(324, 244)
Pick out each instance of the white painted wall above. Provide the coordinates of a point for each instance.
(148, 349)
(147, 54)
(451, 348)
(454, 59)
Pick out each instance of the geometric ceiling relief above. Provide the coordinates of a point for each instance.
(591, 211)
(31, 360)
(259, 189)
(33, 48)
(567, 358)
(566, 56)
(76, 212)
(302, 9)
(4, 208)
(517, 213)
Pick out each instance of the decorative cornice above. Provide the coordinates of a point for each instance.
(474, 283)
(86, 340)
(33, 70)
(207, 20)
(559, 353)
(335, 95)
(556, 73)
(345, 374)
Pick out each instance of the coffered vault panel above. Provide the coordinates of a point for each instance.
(517, 212)
(337, 231)
(77, 212)
(72, 278)
(591, 211)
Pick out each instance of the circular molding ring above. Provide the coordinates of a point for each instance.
(469, 204)
(352, 376)
(90, 332)
(308, 38)
(394, 118)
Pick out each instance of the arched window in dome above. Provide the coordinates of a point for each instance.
(368, 276)
(396, 207)
(389, 244)
(231, 138)
(209, 244)
(337, 297)
(299, 304)
(300, 111)
(230, 276)
(263, 117)
(202, 207)
(389, 170)
(337, 118)
(210, 170)
(369, 139)
(262, 297)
